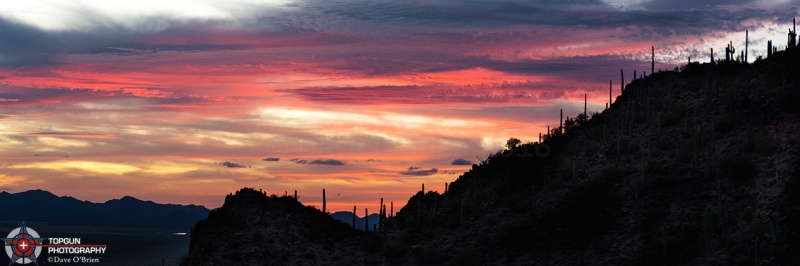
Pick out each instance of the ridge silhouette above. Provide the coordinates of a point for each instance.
(698, 165)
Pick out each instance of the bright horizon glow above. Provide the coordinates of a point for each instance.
(82, 15)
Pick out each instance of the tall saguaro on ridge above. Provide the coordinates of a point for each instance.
(746, 43)
(324, 202)
(560, 124)
(584, 107)
(653, 60)
(609, 93)
(622, 83)
(769, 48)
(712, 55)
(793, 34)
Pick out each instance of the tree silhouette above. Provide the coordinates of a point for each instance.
(512, 143)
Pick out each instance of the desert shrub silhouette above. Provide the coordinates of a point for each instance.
(740, 169)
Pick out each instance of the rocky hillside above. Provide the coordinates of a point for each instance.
(252, 228)
(696, 166)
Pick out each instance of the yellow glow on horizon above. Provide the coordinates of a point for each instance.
(6, 180)
(168, 168)
(63, 142)
(88, 166)
(304, 118)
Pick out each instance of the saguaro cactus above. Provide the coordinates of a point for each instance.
(769, 48)
(746, 43)
(419, 200)
(712, 55)
(560, 121)
(444, 197)
(433, 217)
(793, 34)
(609, 94)
(324, 202)
(653, 60)
(730, 52)
(383, 218)
(366, 220)
(353, 224)
(622, 81)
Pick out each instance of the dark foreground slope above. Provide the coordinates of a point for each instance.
(696, 167)
(691, 167)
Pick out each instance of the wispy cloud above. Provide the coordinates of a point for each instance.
(232, 165)
(318, 161)
(417, 171)
(461, 161)
(327, 162)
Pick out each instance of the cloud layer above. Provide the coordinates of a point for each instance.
(417, 171)
(181, 101)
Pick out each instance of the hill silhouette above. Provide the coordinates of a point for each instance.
(699, 165)
(252, 228)
(126, 212)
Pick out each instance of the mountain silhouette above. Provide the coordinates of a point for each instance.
(347, 217)
(694, 166)
(127, 212)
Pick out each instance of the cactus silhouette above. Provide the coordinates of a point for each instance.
(792, 42)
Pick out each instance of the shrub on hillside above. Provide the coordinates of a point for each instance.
(740, 169)
(764, 144)
(725, 123)
(611, 172)
(669, 119)
(789, 239)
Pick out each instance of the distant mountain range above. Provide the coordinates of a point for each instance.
(347, 217)
(127, 212)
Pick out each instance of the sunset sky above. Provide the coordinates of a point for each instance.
(187, 101)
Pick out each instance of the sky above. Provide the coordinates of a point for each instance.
(187, 101)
